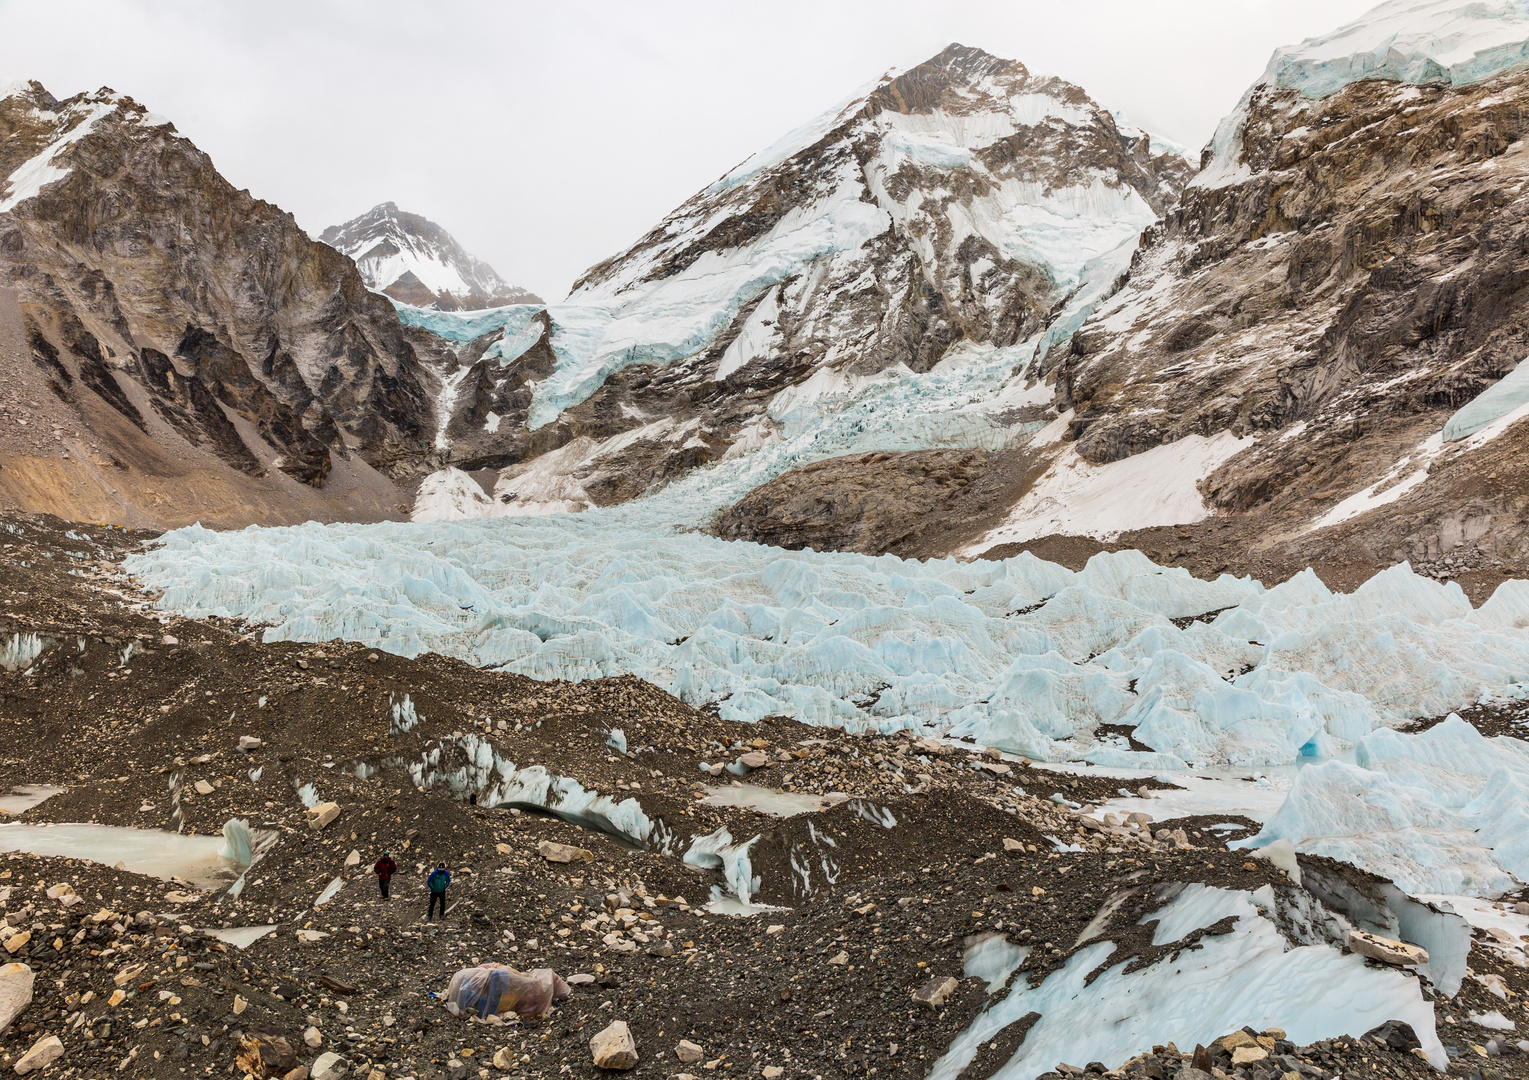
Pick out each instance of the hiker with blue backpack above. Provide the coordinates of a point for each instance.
(438, 882)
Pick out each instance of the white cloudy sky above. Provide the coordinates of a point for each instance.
(547, 136)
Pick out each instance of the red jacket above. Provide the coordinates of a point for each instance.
(385, 867)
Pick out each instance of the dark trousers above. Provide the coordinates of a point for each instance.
(437, 898)
(382, 883)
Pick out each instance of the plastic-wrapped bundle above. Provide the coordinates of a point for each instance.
(495, 988)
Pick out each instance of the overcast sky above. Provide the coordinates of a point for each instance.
(547, 136)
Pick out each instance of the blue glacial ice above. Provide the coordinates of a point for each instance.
(1020, 654)
(464, 326)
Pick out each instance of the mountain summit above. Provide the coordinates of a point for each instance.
(415, 261)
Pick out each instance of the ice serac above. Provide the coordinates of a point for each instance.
(417, 262)
(184, 349)
(1340, 278)
(948, 209)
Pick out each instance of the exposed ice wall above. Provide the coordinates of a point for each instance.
(1021, 654)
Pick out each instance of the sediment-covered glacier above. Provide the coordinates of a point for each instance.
(1021, 654)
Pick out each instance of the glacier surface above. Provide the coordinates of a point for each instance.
(1021, 654)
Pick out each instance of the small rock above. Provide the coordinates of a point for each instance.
(16, 942)
(563, 853)
(504, 1058)
(689, 1052)
(754, 760)
(582, 978)
(319, 816)
(613, 1047)
(840, 960)
(936, 992)
(1395, 953)
(456, 1069)
(1236, 1039)
(240, 1005)
(1246, 1055)
(773, 1072)
(328, 1066)
(44, 1052)
(312, 1039)
(353, 859)
(1010, 844)
(250, 742)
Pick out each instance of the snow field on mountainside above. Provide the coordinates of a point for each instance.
(1021, 654)
(1249, 977)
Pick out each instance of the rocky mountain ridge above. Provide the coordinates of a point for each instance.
(417, 262)
(193, 352)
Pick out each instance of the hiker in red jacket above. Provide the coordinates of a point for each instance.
(384, 869)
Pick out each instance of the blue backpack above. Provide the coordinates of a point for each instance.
(438, 880)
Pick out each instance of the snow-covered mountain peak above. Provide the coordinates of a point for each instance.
(929, 226)
(415, 261)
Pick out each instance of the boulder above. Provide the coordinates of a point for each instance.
(754, 759)
(44, 1052)
(688, 1052)
(613, 1047)
(1246, 1055)
(1387, 951)
(936, 992)
(322, 815)
(261, 1054)
(563, 853)
(15, 992)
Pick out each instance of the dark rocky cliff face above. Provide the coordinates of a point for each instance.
(202, 317)
(1369, 272)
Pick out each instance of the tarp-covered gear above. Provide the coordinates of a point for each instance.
(495, 988)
